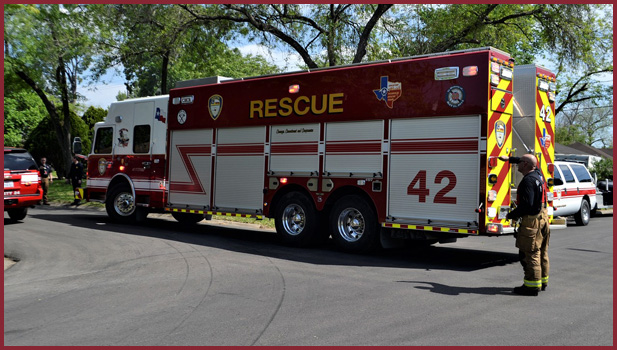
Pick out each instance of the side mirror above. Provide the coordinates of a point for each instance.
(77, 145)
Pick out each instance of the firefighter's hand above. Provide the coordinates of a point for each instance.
(504, 158)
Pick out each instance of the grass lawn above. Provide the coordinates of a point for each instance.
(62, 193)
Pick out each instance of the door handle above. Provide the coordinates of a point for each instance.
(146, 164)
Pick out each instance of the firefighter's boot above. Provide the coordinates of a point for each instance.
(524, 290)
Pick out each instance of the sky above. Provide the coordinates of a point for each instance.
(103, 94)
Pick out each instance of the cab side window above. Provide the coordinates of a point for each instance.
(567, 174)
(141, 142)
(103, 140)
(581, 173)
(558, 175)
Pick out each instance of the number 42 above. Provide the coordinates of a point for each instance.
(417, 187)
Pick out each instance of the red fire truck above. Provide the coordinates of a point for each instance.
(403, 148)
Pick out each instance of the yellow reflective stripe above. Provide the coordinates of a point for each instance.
(545, 280)
(533, 284)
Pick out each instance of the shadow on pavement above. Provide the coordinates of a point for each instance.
(265, 243)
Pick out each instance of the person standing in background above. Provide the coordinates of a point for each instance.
(46, 178)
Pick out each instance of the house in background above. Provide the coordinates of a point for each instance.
(581, 153)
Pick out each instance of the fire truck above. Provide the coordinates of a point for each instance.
(364, 153)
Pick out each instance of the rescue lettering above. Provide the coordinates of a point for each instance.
(316, 104)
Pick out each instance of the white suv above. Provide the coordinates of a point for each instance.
(574, 191)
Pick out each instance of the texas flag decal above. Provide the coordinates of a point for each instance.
(389, 91)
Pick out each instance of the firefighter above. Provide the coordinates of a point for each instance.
(76, 174)
(46, 178)
(534, 230)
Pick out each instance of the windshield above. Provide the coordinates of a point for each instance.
(19, 161)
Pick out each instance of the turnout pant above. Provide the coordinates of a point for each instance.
(532, 241)
(45, 187)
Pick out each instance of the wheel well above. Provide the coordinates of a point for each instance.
(119, 179)
(282, 192)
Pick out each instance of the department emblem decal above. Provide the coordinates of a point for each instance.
(102, 166)
(389, 91)
(500, 132)
(215, 106)
(123, 140)
(181, 117)
(455, 96)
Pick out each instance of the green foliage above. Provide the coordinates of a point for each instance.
(158, 45)
(49, 47)
(23, 110)
(569, 134)
(92, 116)
(42, 141)
(603, 169)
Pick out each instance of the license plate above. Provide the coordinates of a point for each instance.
(8, 184)
(12, 193)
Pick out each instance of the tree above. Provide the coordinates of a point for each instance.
(42, 141)
(158, 45)
(309, 30)
(92, 116)
(49, 48)
(586, 123)
(603, 169)
(23, 110)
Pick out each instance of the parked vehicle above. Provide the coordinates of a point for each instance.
(22, 183)
(574, 192)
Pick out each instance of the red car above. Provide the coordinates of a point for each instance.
(22, 183)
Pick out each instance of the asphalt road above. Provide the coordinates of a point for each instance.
(82, 280)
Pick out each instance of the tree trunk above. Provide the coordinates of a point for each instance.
(164, 70)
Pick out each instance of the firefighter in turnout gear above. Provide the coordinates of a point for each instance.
(76, 174)
(534, 230)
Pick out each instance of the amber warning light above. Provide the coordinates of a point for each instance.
(294, 88)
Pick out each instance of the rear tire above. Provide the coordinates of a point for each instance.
(353, 225)
(121, 207)
(187, 218)
(296, 220)
(17, 213)
(582, 217)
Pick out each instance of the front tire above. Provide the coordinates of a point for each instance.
(296, 220)
(121, 206)
(582, 217)
(353, 225)
(17, 213)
